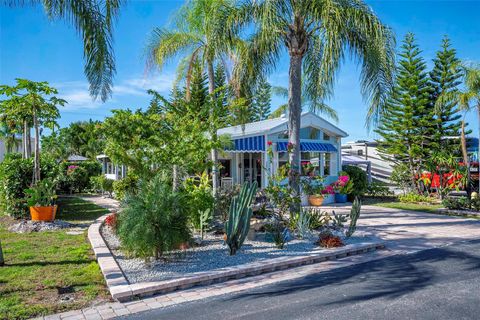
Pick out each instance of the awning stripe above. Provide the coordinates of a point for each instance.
(309, 147)
(249, 144)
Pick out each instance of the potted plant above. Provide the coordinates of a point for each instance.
(343, 186)
(41, 201)
(313, 187)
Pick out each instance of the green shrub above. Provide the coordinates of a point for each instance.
(402, 177)
(452, 203)
(359, 179)
(378, 189)
(122, 187)
(200, 198)
(415, 198)
(154, 220)
(76, 176)
(16, 176)
(102, 184)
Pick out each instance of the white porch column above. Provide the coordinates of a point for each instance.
(322, 160)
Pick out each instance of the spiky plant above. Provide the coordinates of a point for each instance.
(239, 217)
(354, 215)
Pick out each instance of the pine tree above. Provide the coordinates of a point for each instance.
(262, 100)
(198, 87)
(445, 77)
(407, 123)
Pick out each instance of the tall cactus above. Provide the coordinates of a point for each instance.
(239, 216)
(354, 215)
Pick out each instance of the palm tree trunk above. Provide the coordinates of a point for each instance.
(466, 161)
(214, 153)
(175, 177)
(295, 112)
(36, 169)
(25, 138)
(2, 261)
(478, 152)
(29, 141)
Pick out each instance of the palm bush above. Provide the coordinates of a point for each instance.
(154, 220)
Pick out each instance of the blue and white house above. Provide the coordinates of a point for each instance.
(247, 159)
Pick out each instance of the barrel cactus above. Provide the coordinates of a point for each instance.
(354, 215)
(239, 216)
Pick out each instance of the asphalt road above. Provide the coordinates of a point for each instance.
(442, 283)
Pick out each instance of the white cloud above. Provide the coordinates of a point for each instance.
(77, 95)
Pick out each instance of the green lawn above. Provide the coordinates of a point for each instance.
(43, 267)
(393, 202)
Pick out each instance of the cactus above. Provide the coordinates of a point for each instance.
(354, 215)
(239, 217)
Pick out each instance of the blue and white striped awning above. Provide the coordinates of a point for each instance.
(309, 147)
(249, 144)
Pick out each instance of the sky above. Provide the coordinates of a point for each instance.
(33, 47)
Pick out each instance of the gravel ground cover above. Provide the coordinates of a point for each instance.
(212, 254)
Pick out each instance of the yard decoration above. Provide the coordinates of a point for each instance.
(41, 201)
(354, 215)
(239, 216)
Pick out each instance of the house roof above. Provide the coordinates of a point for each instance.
(76, 157)
(280, 124)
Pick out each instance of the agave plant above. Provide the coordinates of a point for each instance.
(239, 217)
(354, 215)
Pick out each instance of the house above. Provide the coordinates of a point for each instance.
(110, 170)
(247, 158)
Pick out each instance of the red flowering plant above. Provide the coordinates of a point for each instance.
(270, 149)
(112, 220)
(290, 147)
(328, 190)
(343, 185)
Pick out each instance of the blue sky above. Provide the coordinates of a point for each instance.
(33, 47)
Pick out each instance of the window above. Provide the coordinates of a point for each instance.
(326, 163)
(360, 152)
(312, 160)
(326, 136)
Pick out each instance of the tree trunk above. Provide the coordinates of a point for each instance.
(214, 153)
(466, 161)
(29, 141)
(478, 152)
(2, 261)
(294, 115)
(36, 169)
(175, 177)
(25, 138)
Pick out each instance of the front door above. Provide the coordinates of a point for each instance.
(252, 168)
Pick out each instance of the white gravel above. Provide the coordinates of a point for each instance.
(212, 254)
(27, 226)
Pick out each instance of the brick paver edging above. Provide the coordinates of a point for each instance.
(122, 290)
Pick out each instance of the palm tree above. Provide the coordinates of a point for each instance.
(9, 136)
(93, 19)
(199, 32)
(317, 35)
(318, 107)
(467, 99)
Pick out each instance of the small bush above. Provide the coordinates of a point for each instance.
(359, 179)
(200, 198)
(456, 203)
(16, 176)
(415, 198)
(328, 240)
(224, 198)
(112, 220)
(102, 184)
(122, 187)
(76, 176)
(154, 220)
(378, 189)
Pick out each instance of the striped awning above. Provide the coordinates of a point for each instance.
(309, 147)
(249, 144)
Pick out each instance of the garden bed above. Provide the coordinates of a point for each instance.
(213, 255)
(460, 212)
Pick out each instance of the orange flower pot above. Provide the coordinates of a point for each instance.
(43, 213)
(315, 201)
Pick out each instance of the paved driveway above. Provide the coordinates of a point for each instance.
(410, 231)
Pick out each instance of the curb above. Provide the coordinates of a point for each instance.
(122, 290)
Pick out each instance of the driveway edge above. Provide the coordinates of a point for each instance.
(122, 290)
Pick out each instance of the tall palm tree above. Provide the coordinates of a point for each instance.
(199, 33)
(467, 99)
(93, 19)
(317, 35)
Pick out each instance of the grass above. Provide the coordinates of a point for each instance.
(41, 268)
(393, 202)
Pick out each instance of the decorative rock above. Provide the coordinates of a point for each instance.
(27, 226)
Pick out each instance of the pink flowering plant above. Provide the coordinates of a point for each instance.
(328, 190)
(343, 185)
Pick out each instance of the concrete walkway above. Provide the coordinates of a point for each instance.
(404, 231)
